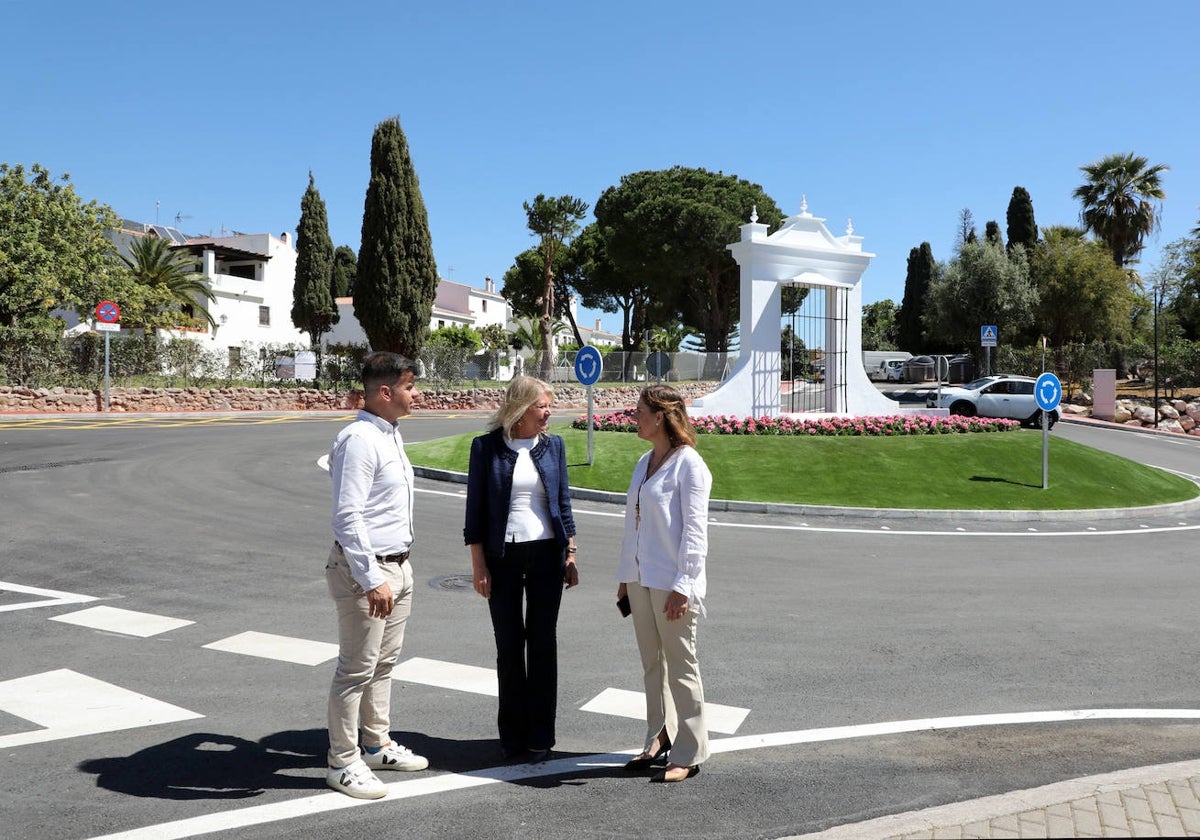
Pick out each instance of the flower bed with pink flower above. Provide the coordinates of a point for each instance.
(886, 426)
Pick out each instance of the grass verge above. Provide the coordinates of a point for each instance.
(998, 471)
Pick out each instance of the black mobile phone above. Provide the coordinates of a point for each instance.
(623, 605)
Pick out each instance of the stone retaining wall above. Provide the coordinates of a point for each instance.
(1181, 416)
(165, 400)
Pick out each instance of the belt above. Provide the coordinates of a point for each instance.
(398, 559)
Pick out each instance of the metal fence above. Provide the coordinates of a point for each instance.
(44, 359)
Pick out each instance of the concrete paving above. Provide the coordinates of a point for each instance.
(1158, 801)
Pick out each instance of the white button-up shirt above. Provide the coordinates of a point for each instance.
(372, 495)
(667, 548)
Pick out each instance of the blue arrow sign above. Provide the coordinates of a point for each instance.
(1048, 392)
(589, 364)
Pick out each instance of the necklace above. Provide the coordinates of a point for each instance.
(651, 469)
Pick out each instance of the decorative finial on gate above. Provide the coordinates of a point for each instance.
(754, 213)
(849, 226)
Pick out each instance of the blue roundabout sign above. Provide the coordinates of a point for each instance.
(589, 364)
(1047, 392)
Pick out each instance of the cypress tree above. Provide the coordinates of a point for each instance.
(991, 234)
(313, 310)
(909, 328)
(345, 269)
(1022, 229)
(397, 276)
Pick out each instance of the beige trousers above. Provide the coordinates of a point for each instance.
(368, 649)
(674, 692)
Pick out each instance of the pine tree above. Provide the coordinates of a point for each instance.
(921, 269)
(397, 276)
(1022, 229)
(313, 310)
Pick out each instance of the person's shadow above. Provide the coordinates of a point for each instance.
(208, 766)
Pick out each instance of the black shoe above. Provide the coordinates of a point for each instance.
(661, 776)
(645, 762)
(538, 756)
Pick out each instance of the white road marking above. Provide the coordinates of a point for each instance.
(66, 704)
(48, 597)
(448, 782)
(632, 704)
(441, 674)
(283, 648)
(127, 622)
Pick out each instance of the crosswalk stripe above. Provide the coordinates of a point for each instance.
(271, 646)
(452, 675)
(117, 620)
(632, 704)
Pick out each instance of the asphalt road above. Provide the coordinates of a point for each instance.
(819, 630)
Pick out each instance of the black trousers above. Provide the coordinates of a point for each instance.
(527, 641)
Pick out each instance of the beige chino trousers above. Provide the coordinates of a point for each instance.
(674, 691)
(368, 649)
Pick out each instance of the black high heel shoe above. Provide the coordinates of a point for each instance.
(645, 762)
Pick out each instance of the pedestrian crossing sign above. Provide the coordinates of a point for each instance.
(987, 335)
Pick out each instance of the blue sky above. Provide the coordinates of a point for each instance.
(894, 115)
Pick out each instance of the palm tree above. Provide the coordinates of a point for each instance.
(156, 265)
(1120, 202)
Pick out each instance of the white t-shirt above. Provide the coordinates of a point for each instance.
(528, 507)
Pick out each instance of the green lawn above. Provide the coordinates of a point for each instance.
(992, 471)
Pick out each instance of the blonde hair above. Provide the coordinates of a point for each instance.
(670, 402)
(522, 392)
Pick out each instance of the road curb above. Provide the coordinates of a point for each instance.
(925, 514)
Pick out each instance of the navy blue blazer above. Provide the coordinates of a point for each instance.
(489, 489)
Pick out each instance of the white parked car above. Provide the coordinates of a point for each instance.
(1002, 395)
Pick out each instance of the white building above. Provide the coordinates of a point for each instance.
(251, 277)
(456, 305)
(596, 336)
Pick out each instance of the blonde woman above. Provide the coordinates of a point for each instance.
(521, 534)
(661, 572)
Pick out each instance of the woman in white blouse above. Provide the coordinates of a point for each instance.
(521, 535)
(661, 571)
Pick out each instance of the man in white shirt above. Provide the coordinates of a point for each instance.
(370, 578)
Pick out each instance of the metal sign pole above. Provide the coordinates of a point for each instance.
(1045, 451)
(106, 334)
(591, 425)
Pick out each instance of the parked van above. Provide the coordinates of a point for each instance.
(875, 362)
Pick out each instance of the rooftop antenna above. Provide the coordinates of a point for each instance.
(179, 217)
(156, 203)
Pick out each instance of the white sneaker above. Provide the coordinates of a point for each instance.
(393, 756)
(357, 780)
